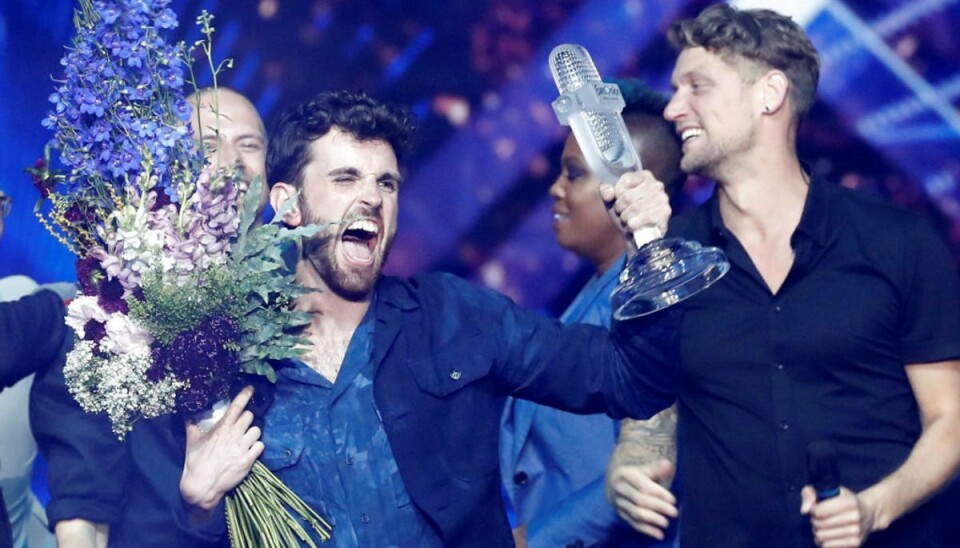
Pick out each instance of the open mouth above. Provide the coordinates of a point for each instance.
(360, 240)
(689, 134)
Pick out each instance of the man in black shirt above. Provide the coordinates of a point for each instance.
(839, 321)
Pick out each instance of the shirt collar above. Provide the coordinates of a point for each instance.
(814, 221)
(394, 294)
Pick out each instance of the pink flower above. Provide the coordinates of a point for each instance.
(125, 337)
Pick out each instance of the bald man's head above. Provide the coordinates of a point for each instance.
(231, 132)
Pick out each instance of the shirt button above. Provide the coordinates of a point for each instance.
(784, 426)
(364, 518)
(779, 367)
(520, 478)
(777, 308)
(287, 453)
(455, 375)
(348, 459)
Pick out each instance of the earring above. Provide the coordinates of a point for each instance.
(766, 108)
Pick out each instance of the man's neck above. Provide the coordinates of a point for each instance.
(333, 320)
(764, 198)
(761, 204)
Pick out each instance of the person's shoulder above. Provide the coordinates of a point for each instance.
(874, 211)
(441, 289)
(880, 226)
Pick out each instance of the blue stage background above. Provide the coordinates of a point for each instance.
(475, 72)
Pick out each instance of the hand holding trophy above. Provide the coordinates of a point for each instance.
(663, 272)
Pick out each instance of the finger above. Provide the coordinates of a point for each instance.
(645, 505)
(837, 533)
(843, 505)
(193, 433)
(652, 514)
(808, 498)
(841, 541)
(629, 180)
(244, 421)
(640, 524)
(650, 531)
(607, 194)
(251, 436)
(643, 209)
(639, 481)
(663, 472)
(256, 450)
(238, 404)
(832, 521)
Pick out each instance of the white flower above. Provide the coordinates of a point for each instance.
(81, 310)
(118, 386)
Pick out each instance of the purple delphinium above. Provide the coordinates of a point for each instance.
(94, 330)
(120, 106)
(161, 200)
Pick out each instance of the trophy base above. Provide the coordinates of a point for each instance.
(663, 273)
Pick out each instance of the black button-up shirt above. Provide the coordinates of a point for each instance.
(871, 289)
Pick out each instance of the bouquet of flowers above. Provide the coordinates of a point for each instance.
(181, 289)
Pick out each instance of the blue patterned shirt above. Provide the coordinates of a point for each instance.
(326, 441)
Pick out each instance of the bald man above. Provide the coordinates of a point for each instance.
(107, 493)
(231, 133)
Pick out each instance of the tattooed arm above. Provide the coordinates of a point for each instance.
(640, 472)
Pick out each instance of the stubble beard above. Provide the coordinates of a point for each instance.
(708, 161)
(321, 251)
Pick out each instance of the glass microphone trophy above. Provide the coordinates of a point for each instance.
(663, 272)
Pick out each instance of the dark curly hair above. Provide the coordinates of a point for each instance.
(766, 38)
(354, 113)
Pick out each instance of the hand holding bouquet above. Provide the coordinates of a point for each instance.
(182, 290)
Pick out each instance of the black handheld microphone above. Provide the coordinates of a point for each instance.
(822, 469)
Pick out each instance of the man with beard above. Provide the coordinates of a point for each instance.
(838, 322)
(388, 426)
(107, 493)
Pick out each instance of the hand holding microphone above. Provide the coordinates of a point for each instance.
(822, 470)
(837, 515)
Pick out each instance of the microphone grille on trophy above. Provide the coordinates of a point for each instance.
(606, 132)
(572, 67)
